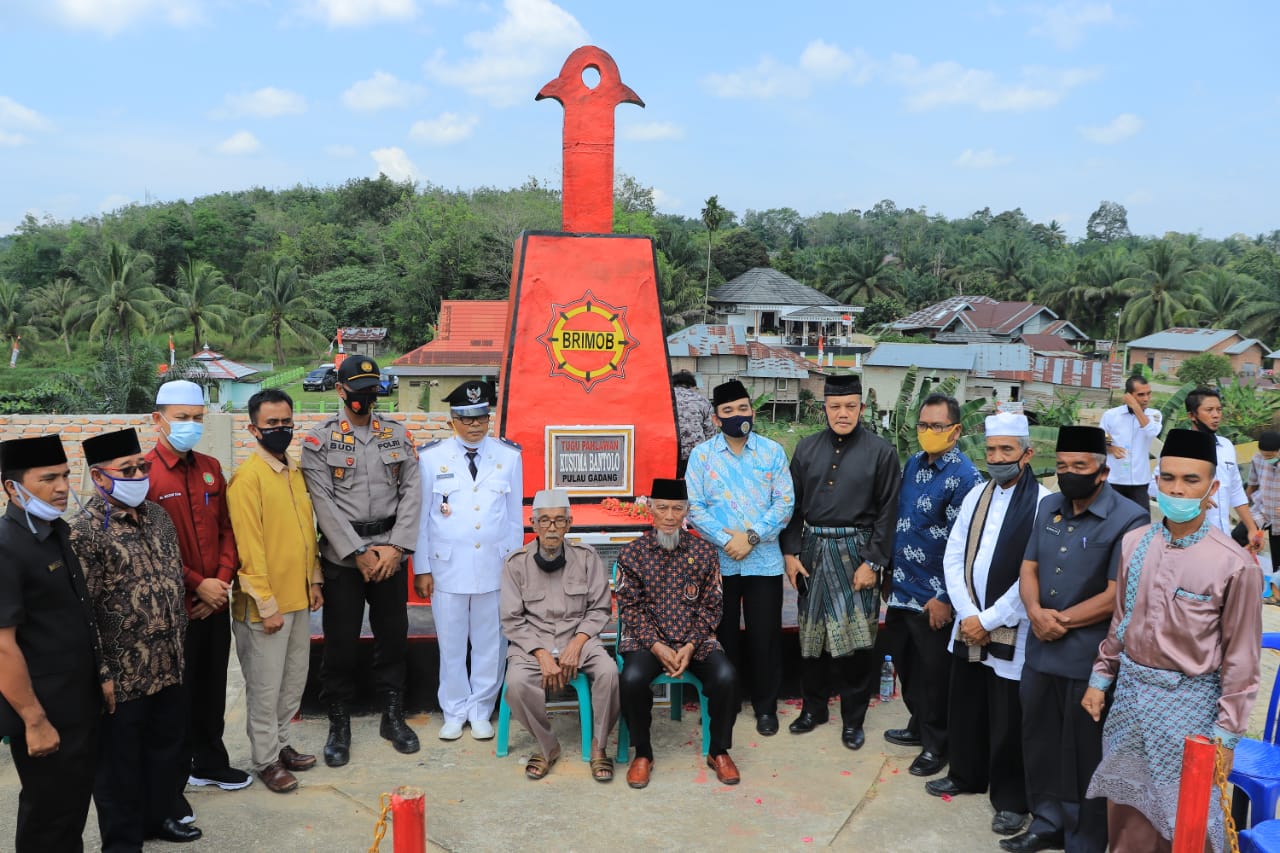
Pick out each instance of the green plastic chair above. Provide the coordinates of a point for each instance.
(583, 689)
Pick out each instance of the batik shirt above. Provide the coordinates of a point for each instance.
(674, 597)
(693, 419)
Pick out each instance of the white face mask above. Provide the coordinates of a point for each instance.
(32, 505)
(129, 492)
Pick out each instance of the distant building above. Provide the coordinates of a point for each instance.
(775, 309)
(371, 341)
(981, 319)
(470, 341)
(884, 369)
(1165, 351)
(235, 386)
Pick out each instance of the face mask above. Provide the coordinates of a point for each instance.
(1077, 487)
(1272, 461)
(361, 402)
(128, 492)
(276, 439)
(935, 443)
(32, 505)
(184, 435)
(738, 426)
(1004, 472)
(1202, 428)
(1179, 510)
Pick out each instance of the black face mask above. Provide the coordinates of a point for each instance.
(276, 439)
(555, 564)
(1077, 487)
(361, 402)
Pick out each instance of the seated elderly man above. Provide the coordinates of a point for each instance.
(554, 602)
(669, 597)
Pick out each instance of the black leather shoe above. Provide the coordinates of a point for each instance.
(927, 764)
(805, 723)
(902, 737)
(944, 787)
(395, 729)
(1030, 842)
(337, 749)
(853, 738)
(767, 724)
(179, 833)
(1007, 823)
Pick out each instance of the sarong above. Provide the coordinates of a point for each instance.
(832, 616)
(1153, 711)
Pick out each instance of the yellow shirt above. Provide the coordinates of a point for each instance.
(276, 537)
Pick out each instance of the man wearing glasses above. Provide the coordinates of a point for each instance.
(472, 489)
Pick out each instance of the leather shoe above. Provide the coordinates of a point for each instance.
(944, 787)
(277, 778)
(1031, 842)
(337, 749)
(1007, 823)
(927, 764)
(178, 833)
(902, 737)
(767, 724)
(853, 738)
(638, 772)
(296, 761)
(726, 770)
(805, 723)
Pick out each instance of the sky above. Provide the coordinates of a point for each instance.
(1169, 108)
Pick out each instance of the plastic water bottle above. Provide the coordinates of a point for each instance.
(886, 679)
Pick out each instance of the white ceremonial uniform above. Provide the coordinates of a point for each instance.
(1134, 469)
(466, 530)
(1007, 610)
(1230, 487)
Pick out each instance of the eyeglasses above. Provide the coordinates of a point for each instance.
(923, 427)
(142, 469)
(553, 523)
(471, 421)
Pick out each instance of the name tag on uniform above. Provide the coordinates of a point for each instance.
(444, 476)
(1055, 531)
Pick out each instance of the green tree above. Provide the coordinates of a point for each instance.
(1225, 297)
(61, 308)
(1205, 369)
(1008, 261)
(739, 251)
(201, 299)
(124, 297)
(1107, 224)
(712, 217)
(276, 306)
(855, 274)
(1160, 289)
(15, 313)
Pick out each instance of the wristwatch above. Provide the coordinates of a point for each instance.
(875, 567)
(361, 550)
(753, 538)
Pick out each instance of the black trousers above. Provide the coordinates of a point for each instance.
(757, 601)
(141, 753)
(923, 664)
(986, 735)
(1137, 494)
(208, 649)
(54, 801)
(345, 594)
(855, 679)
(720, 682)
(1061, 747)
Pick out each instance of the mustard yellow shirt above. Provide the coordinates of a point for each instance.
(276, 537)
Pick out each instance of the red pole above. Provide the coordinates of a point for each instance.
(409, 820)
(1192, 823)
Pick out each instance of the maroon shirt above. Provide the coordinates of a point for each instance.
(674, 597)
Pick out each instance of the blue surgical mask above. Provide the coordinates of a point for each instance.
(1180, 510)
(738, 426)
(184, 435)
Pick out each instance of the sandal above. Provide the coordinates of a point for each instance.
(602, 769)
(537, 767)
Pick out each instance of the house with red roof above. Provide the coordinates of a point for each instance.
(469, 343)
(983, 320)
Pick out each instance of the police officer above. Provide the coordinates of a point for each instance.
(51, 674)
(472, 489)
(361, 474)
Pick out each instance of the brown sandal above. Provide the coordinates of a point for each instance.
(538, 766)
(602, 769)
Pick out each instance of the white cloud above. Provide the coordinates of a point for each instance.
(114, 202)
(444, 129)
(825, 61)
(1064, 24)
(663, 200)
(654, 131)
(982, 158)
(952, 84)
(340, 151)
(268, 102)
(1118, 129)
(512, 60)
(12, 140)
(382, 91)
(111, 16)
(767, 79)
(358, 13)
(395, 164)
(240, 142)
(14, 115)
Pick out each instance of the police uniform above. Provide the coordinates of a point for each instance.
(469, 525)
(363, 482)
(44, 598)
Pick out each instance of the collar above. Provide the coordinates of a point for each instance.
(1188, 540)
(1101, 505)
(722, 443)
(463, 449)
(952, 455)
(274, 463)
(843, 440)
(18, 515)
(650, 540)
(100, 510)
(168, 456)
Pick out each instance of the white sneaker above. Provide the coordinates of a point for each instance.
(451, 730)
(481, 729)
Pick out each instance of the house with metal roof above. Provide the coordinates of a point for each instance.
(1165, 351)
(235, 386)
(981, 319)
(365, 340)
(469, 343)
(773, 308)
(884, 369)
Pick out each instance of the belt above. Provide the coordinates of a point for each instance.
(373, 528)
(835, 532)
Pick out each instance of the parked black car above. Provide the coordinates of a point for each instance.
(322, 378)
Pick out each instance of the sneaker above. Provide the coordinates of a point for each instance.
(451, 730)
(228, 778)
(481, 729)
(186, 815)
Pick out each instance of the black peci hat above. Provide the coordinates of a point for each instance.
(729, 392)
(112, 445)
(1081, 439)
(1190, 444)
(39, 452)
(842, 386)
(668, 490)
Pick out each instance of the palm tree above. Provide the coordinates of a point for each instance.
(125, 299)
(1257, 317)
(276, 306)
(712, 215)
(202, 298)
(1161, 289)
(15, 313)
(1008, 262)
(1226, 295)
(61, 305)
(855, 273)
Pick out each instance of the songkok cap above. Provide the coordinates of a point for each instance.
(1191, 444)
(39, 452)
(842, 386)
(1081, 439)
(359, 372)
(1269, 441)
(180, 392)
(729, 392)
(112, 445)
(669, 490)
(1008, 424)
(471, 399)
(549, 498)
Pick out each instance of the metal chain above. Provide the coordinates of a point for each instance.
(1220, 779)
(380, 828)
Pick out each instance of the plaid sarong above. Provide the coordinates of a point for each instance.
(832, 616)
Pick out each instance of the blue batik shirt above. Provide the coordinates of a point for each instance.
(928, 504)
